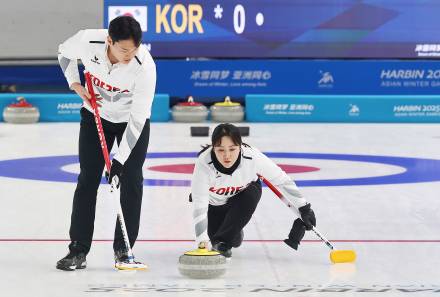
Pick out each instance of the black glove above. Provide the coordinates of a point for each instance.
(115, 171)
(307, 216)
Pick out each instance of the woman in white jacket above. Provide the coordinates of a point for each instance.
(225, 191)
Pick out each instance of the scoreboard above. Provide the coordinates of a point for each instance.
(285, 28)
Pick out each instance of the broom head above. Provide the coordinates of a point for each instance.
(342, 256)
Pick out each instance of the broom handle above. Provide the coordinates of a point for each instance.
(289, 205)
(98, 122)
(107, 162)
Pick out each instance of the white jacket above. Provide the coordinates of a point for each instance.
(127, 90)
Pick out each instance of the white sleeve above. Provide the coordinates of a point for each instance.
(200, 200)
(143, 94)
(279, 179)
(68, 54)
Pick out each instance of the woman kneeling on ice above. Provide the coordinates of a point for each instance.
(225, 191)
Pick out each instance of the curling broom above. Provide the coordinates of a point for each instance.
(336, 256)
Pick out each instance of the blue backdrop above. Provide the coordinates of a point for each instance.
(218, 78)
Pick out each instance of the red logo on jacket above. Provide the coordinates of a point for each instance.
(226, 190)
(103, 85)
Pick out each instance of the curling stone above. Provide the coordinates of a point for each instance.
(227, 111)
(21, 112)
(189, 112)
(202, 264)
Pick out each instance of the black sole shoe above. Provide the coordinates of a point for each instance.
(222, 249)
(72, 262)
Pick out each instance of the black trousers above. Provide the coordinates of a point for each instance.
(225, 222)
(91, 163)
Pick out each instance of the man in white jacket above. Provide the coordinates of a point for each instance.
(124, 78)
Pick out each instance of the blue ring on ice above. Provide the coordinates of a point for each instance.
(417, 170)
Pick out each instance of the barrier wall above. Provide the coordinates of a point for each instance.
(269, 108)
(66, 107)
(237, 78)
(332, 90)
(343, 108)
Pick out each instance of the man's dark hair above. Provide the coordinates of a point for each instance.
(124, 28)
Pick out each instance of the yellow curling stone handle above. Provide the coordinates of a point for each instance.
(227, 102)
(202, 252)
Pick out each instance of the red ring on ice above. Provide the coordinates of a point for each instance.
(189, 168)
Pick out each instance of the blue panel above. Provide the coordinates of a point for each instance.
(358, 109)
(321, 77)
(237, 78)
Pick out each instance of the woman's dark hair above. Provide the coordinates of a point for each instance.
(124, 28)
(224, 130)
